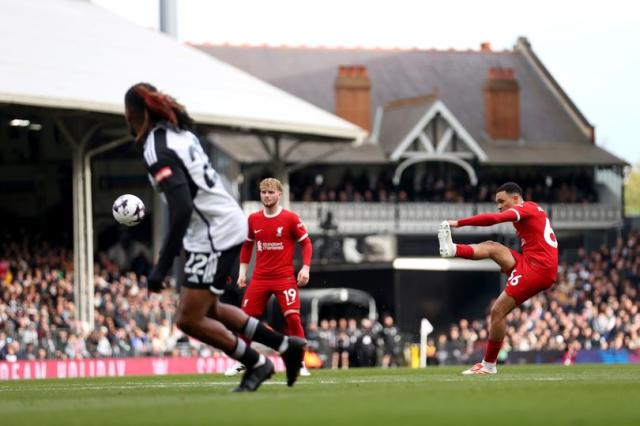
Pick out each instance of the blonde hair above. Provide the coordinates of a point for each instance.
(270, 183)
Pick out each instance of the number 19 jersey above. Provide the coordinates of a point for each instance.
(275, 238)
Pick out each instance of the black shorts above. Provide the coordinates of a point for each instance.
(212, 271)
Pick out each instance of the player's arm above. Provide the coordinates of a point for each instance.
(299, 232)
(180, 209)
(245, 257)
(486, 219)
(307, 250)
(168, 175)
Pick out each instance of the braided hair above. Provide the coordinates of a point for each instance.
(144, 97)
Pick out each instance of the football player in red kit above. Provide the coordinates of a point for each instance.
(530, 272)
(274, 231)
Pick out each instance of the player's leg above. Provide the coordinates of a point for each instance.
(234, 318)
(290, 348)
(253, 304)
(288, 297)
(499, 253)
(192, 318)
(497, 329)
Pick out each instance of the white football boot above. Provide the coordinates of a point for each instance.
(447, 248)
(303, 371)
(481, 368)
(235, 369)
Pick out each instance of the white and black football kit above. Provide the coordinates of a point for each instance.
(203, 216)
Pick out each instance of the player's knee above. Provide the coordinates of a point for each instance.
(497, 313)
(491, 245)
(185, 323)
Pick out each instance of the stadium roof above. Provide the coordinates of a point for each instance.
(549, 118)
(243, 148)
(76, 55)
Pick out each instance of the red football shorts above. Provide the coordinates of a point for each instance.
(258, 293)
(524, 282)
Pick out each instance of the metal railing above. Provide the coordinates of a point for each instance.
(424, 218)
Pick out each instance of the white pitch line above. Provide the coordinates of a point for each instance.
(139, 386)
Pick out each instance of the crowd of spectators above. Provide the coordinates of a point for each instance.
(37, 315)
(435, 188)
(346, 343)
(594, 305)
(37, 310)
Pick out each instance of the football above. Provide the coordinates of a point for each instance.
(128, 210)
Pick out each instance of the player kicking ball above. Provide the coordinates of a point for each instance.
(274, 231)
(530, 272)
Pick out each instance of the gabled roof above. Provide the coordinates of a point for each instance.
(408, 119)
(399, 118)
(457, 76)
(76, 55)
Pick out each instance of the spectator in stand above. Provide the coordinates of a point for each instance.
(342, 346)
(432, 187)
(391, 339)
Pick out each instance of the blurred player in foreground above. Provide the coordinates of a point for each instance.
(209, 223)
(530, 272)
(275, 231)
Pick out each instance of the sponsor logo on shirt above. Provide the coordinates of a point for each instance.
(262, 246)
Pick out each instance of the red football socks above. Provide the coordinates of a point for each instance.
(464, 251)
(293, 325)
(493, 349)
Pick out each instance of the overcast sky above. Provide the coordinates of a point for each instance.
(591, 47)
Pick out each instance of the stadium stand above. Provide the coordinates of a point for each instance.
(593, 306)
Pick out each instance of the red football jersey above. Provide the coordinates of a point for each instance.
(275, 239)
(537, 240)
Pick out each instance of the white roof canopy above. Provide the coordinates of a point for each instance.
(76, 55)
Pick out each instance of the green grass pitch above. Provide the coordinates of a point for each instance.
(518, 395)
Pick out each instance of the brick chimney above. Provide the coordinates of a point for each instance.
(502, 104)
(353, 95)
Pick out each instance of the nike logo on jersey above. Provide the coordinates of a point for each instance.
(257, 230)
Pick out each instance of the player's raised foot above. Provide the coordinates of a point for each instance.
(304, 372)
(447, 248)
(292, 357)
(480, 368)
(253, 377)
(234, 370)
